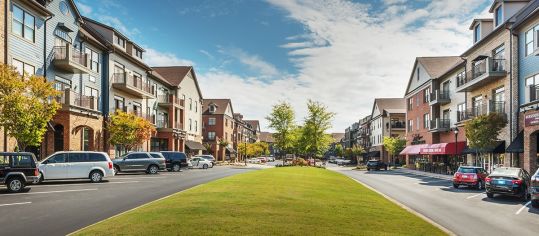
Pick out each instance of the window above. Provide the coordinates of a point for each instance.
(196, 106)
(226, 122)
(190, 104)
(190, 124)
(530, 39)
(23, 24)
(212, 108)
(410, 104)
(95, 157)
(211, 121)
(64, 8)
(426, 95)
(211, 135)
(410, 125)
(23, 68)
(91, 92)
(120, 41)
(426, 120)
(417, 73)
(77, 157)
(92, 79)
(138, 53)
(196, 125)
(226, 136)
(59, 158)
(137, 156)
(476, 33)
(461, 111)
(119, 103)
(94, 59)
(85, 139)
(417, 122)
(498, 16)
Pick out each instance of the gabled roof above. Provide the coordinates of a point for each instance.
(337, 136)
(525, 14)
(392, 105)
(175, 75)
(266, 137)
(254, 123)
(479, 20)
(434, 66)
(157, 76)
(495, 3)
(221, 105)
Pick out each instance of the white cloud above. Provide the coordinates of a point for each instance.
(350, 55)
(253, 62)
(153, 57)
(84, 9)
(118, 25)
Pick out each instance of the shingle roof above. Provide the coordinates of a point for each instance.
(254, 123)
(220, 103)
(437, 66)
(337, 136)
(393, 105)
(174, 75)
(266, 137)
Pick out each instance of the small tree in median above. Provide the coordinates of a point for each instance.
(281, 119)
(317, 122)
(26, 106)
(357, 151)
(129, 130)
(339, 150)
(394, 145)
(482, 132)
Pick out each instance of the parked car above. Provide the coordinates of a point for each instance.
(271, 159)
(209, 158)
(510, 181)
(376, 165)
(175, 160)
(200, 162)
(262, 159)
(534, 189)
(254, 160)
(471, 176)
(332, 159)
(343, 162)
(18, 169)
(139, 161)
(76, 165)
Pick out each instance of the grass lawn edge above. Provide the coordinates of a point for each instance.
(425, 218)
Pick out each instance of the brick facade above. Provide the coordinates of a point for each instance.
(416, 113)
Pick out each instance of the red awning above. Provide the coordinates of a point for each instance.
(443, 149)
(413, 149)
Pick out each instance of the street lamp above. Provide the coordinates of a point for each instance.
(456, 132)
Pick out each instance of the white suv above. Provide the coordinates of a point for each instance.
(76, 165)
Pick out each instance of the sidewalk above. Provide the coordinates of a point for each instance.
(423, 173)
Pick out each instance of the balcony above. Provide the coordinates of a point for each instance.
(483, 109)
(70, 59)
(439, 97)
(76, 102)
(132, 85)
(439, 125)
(398, 124)
(483, 72)
(170, 100)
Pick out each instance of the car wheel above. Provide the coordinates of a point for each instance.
(116, 169)
(479, 185)
(41, 178)
(535, 204)
(96, 176)
(15, 184)
(455, 186)
(205, 166)
(153, 169)
(490, 195)
(176, 167)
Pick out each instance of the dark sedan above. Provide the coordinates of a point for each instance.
(534, 189)
(376, 165)
(508, 181)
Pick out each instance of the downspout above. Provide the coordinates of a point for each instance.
(45, 47)
(105, 99)
(511, 90)
(5, 57)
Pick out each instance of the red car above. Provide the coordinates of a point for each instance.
(470, 176)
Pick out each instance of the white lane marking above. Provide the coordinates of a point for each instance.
(16, 203)
(477, 195)
(523, 207)
(62, 185)
(137, 178)
(61, 191)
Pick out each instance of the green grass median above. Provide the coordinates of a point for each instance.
(277, 201)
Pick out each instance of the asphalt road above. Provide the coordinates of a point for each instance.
(463, 211)
(59, 208)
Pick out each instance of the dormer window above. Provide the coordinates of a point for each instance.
(138, 53)
(476, 33)
(498, 15)
(212, 108)
(120, 42)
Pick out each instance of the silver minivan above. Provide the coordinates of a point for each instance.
(76, 165)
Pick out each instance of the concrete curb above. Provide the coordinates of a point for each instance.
(125, 212)
(438, 176)
(444, 229)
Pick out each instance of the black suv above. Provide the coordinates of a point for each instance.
(175, 160)
(376, 165)
(17, 169)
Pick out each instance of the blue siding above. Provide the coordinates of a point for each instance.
(528, 66)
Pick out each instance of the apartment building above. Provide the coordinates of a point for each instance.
(23, 43)
(253, 128)
(184, 100)
(524, 146)
(364, 133)
(425, 120)
(3, 33)
(351, 135)
(218, 128)
(386, 118)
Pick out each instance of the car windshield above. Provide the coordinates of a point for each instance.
(506, 171)
(372, 162)
(466, 170)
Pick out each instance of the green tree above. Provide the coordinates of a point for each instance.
(339, 150)
(26, 106)
(281, 119)
(357, 151)
(393, 146)
(129, 130)
(316, 125)
(482, 132)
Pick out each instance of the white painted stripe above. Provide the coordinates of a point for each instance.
(523, 207)
(67, 185)
(61, 191)
(477, 195)
(16, 203)
(137, 178)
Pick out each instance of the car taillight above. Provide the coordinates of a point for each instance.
(487, 179)
(517, 182)
(36, 172)
(110, 165)
(474, 176)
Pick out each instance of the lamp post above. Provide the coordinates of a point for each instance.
(456, 131)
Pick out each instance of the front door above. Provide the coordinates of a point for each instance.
(78, 166)
(55, 167)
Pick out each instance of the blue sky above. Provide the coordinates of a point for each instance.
(257, 52)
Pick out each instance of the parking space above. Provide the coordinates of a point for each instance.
(60, 207)
(463, 210)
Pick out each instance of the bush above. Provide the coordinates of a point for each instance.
(300, 162)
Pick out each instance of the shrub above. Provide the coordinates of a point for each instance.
(300, 162)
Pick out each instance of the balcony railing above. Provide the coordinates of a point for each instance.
(161, 124)
(165, 100)
(70, 98)
(398, 124)
(483, 109)
(132, 84)
(480, 72)
(440, 124)
(70, 59)
(439, 97)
